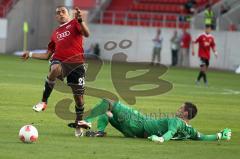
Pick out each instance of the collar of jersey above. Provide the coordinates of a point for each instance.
(207, 34)
(185, 122)
(64, 23)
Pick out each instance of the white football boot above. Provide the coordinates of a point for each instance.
(40, 107)
(84, 124)
(79, 132)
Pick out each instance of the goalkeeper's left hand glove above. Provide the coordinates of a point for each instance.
(155, 138)
(225, 134)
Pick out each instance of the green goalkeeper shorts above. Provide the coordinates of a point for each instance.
(127, 120)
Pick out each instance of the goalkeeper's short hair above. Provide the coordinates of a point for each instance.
(191, 109)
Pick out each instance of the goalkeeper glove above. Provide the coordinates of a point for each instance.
(155, 138)
(225, 134)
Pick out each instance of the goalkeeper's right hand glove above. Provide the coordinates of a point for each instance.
(225, 134)
(155, 138)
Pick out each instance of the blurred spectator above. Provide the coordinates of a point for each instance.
(181, 16)
(209, 17)
(185, 49)
(157, 47)
(238, 70)
(175, 45)
(224, 8)
(96, 50)
(89, 50)
(232, 27)
(190, 6)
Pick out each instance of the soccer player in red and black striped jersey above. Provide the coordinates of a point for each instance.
(206, 42)
(66, 50)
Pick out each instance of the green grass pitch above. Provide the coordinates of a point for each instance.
(21, 85)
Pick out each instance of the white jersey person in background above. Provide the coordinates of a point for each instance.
(238, 70)
(158, 40)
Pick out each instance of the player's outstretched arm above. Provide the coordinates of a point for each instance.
(214, 50)
(223, 135)
(156, 138)
(193, 43)
(42, 56)
(213, 46)
(173, 126)
(85, 30)
(166, 137)
(84, 27)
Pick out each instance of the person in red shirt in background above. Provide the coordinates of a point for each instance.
(185, 49)
(66, 50)
(205, 42)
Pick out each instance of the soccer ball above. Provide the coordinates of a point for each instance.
(28, 134)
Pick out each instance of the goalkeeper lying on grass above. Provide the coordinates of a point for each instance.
(131, 123)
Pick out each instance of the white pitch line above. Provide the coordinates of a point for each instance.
(212, 90)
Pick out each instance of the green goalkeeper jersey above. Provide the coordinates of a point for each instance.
(134, 124)
(170, 128)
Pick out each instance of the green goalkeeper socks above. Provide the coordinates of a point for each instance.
(99, 109)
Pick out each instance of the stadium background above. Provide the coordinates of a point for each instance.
(118, 20)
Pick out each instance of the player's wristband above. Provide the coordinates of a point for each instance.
(80, 20)
(30, 54)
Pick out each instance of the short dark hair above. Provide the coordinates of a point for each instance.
(191, 109)
(62, 6)
(208, 26)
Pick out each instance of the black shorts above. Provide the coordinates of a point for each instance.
(204, 62)
(75, 74)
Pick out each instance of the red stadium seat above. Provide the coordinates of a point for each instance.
(107, 21)
(121, 15)
(171, 24)
(164, 1)
(5, 2)
(145, 23)
(1, 13)
(5, 6)
(119, 22)
(89, 4)
(157, 24)
(132, 23)
(132, 15)
(108, 14)
(184, 25)
(145, 16)
(149, 12)
(158, 17)
(171, 17)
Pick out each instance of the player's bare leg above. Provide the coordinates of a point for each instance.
(159, 56)
(55, 71)
(153, 57)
